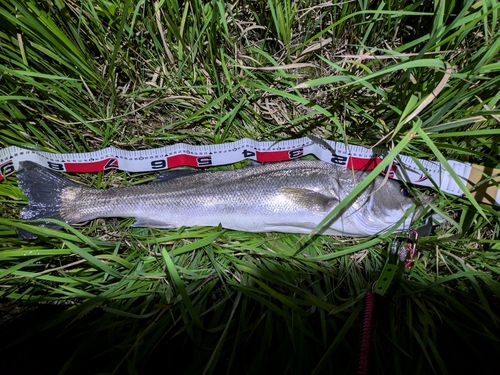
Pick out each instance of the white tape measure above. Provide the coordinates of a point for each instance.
(181, 154)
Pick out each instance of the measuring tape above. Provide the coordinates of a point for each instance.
(349, 156)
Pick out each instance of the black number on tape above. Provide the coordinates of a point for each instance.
(111, 164)
(247, 153)
(55, 166)
(7, 169)
(204, 161)
(159, 164)
(296, 153)
(338, 159)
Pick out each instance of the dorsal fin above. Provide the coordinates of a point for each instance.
(178, 173)
(253, 163)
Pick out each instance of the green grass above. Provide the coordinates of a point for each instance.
(422, 78)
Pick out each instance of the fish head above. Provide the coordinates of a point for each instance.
(384, 204)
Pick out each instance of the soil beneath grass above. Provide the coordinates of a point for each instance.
(24, 349)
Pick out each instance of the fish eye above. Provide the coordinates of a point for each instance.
(405, 192)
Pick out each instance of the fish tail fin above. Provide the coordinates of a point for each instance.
(44, 189)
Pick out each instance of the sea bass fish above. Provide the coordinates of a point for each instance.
(291, 197)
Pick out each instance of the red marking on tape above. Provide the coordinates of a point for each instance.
(189, 161)
(369, 164)
(272, 156)
(363, 164)
(423, 177)
(92, 166)
(392, 171)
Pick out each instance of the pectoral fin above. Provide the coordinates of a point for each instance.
(310, 199)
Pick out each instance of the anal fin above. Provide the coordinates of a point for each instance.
(152, 223)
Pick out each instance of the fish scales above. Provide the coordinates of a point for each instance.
(199, 199)
(286, 197)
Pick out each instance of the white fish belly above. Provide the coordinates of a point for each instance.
(254, 220)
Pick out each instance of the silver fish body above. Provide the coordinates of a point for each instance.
(291, 197)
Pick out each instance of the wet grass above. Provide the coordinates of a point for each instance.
(419, 78)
